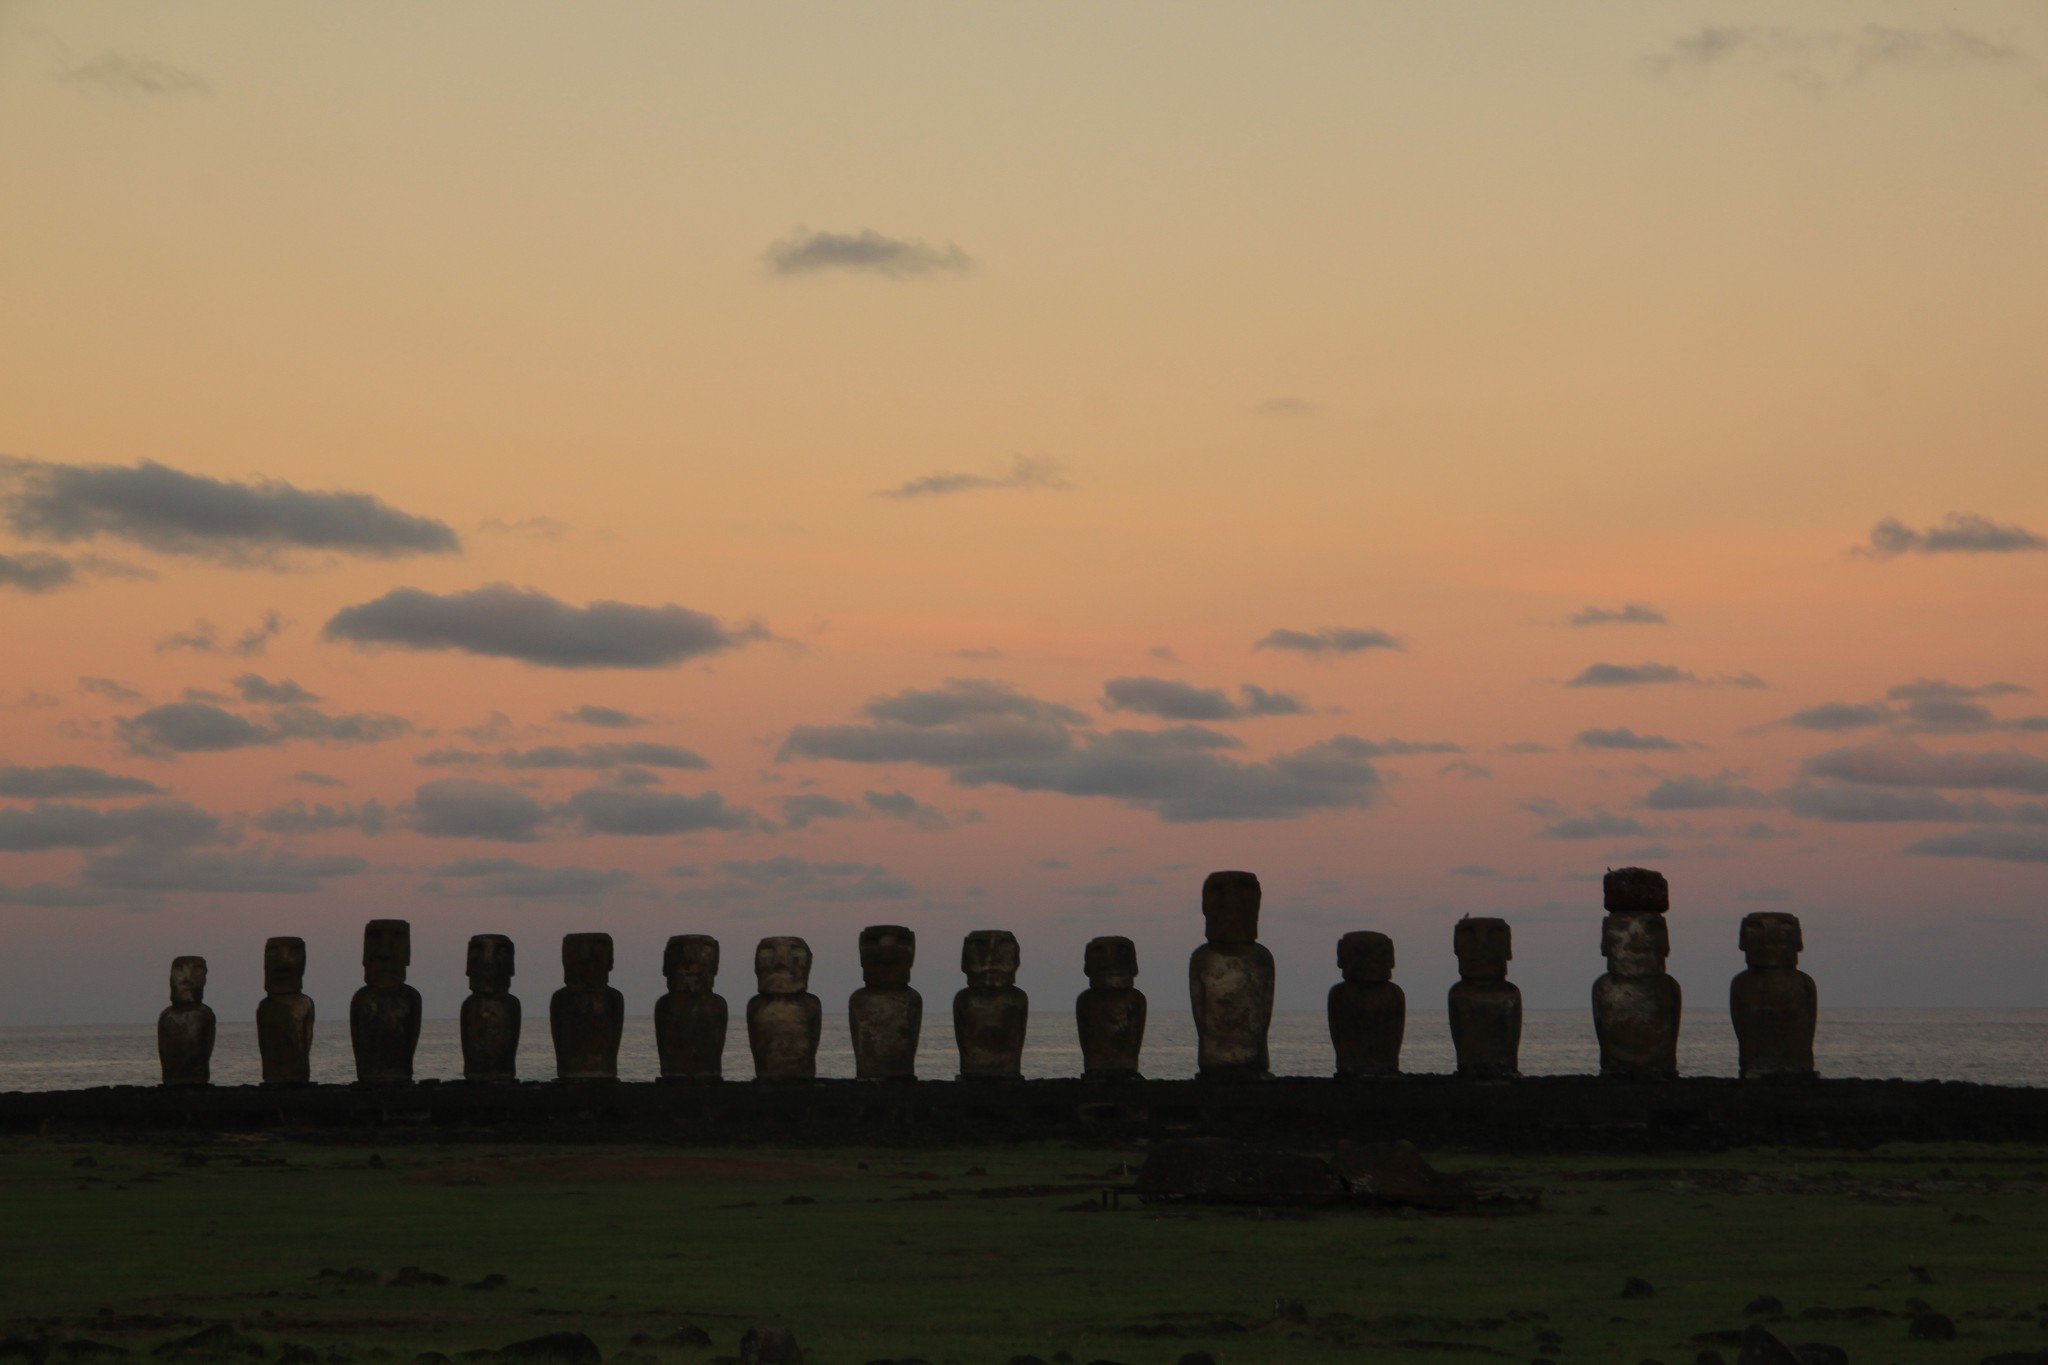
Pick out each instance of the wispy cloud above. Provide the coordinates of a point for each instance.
(1958, 533)
(1621, 737)
(1327, 642)
(1652, 674)
(1282, 406)
(117, 73)
(502, 621)
(1026, 472)
(866, 252)
(1627, 614)
(1822, 60)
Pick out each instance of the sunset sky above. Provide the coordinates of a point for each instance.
(774, 469)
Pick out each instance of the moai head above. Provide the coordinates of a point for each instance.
(1635, 891)
(1364, 955)
(782, 966)
(284, 965)
(990, 958)
(1635, 945)
(886, 952)
(1111, 963)
(490, 964)
(188, 980)
(690, 962)
(387, 951)
(1771, 938)
(1230, 907)
(587, 959)
(1484, 947)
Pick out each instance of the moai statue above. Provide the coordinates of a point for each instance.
(1486, 1007)
(689, 1021)
(588, 1015)
(783, 1020)
(1111, 1012)
(1774, 1003)
(885, 1013)
(284, 1021)
(384, 1016)
(1636, 1003)
(184, 1031)
(989, 1014)
(490, 1016)
(1368, 1012)
(1230, 982)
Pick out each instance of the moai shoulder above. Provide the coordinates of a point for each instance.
(1110, 1014)
(784, 1018)
(990, 1013)
(690, 1020)
(1486, 1007)
(184, 1031)
(1368, 1012)
(284, 1018)
(1230, 982)
(1775, 1006)
(885, 1014)
(491, 1014)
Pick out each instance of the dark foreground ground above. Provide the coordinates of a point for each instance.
(978, 1255)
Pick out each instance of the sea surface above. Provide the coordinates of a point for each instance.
(1997, 1047)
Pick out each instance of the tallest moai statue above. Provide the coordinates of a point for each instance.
(1230, 982)
(1636, 1003)
(384, 1016)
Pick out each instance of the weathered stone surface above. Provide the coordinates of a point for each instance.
(1230, 982)
(885, 1014)
(1111, 1012)
(1395, 1175)
(284, 1019)
(1486, 1008)
(490, 1015)
(587, 1016)
(784, 1019)
(690, 1020)
(990, 1012)
(1220, 1171)
(384, 1016)
(1635, 891)
(1368, 1012)
(1636, 1003)
(184, 1031)
(1775, 1005)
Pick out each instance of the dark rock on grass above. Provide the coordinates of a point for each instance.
(1636, 1287)
(1188, 1358)
(1821, 1353)
(1542, 1360)
(221, 1339)
(689, 1334)
(1919, 1274)
(1290, 1310)
(85, 1163)
(770, 1346)
(555, 1348)
(1761, 1346)
(409, 1275)
(1549, 1338)
(431, 1358)
(1763, 1305)
(24, 1348)
(1219, 1171)
(83, 1349)
(1062, 1358)
(298, 1355)
(1709, 1358)
(492, 1281)
(1819, 1313)
(1026, 1360)
(2016, 1358)
(1931, 1327)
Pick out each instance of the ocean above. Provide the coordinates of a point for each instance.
(1996, 1047)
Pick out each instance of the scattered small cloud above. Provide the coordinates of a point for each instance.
(639, 812)
(1821, 61)
(2002, 845)
(117, 73)
(1598, 825)
(1654, 674)
(1621, 737)
(809, 807)
(296, 817)
(1526, 746)
(511, 879)
(158, 824)
(190, 727)
(641, 754)
(1474, 870)
(866, 252)
(204, 638)
(1901, 763)
(109, 688)
(70, 780)
(36, 572)
(470, 808)
(1703, 793)
(1627, 614)
(1957, 533)
(313, 779)
(603, 717)
(1836, 716)
(533, 528)
(979, 655)
(1026, 472)
(1465, 768)
(780, 881)
(1170, 699)
(1329, 641)
(1282, 406)
(898, 805)
(1923, 689)
(254, 687)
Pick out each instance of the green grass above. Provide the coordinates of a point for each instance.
(620, 1241)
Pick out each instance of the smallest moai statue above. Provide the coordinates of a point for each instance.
(1111, 1012)
(1368, 1012)
(690, 1020)
(588, 1015)
(184, 1031)
(990, 1012)
(490, 1016)
(1486, 1007)
(384, 1016)
(885, 1014)
(284, 1021)
(1636, 1003)
(783, 1021)
(1775, 1005)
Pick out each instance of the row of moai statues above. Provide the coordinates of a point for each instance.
(1636, 1004)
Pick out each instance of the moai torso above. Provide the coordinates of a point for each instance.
(184, 1031)
(384, 1016)
(1636, 1003)
(284, 1021)
(1486, 1007)
(1111, 1012)
(1230, 982)
(784, 1019)
(885, 1013)
(588, 1015)
(990, 1013)
(1368, 1012)
(1774, 1004)
(690, 1021)
(490, 1016)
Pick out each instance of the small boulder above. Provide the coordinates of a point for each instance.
(220, 1339)
(1763, 1305)
(1931, 1327)
(1196, 1358)
(690, 1334)
(1761, 1346)
(1636, 1287)
(555, 1348)
(770, 1346)
(1821, 1353)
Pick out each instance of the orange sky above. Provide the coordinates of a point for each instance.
(1445, 323)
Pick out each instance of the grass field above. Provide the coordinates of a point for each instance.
(978, 1256)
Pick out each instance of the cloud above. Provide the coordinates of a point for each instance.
(296, 817)
(1832, 716)
(251, 871)
(204, 638)
(799, 811)
(1630, 675)
(1820, 60)
(1703, 793)
(1869, 805)
(2005, 845)
(502, 621)
(866, 252)
(638, 753)
(1599, 825)
(510, 879)
(539, 528)
(255, 687)
(1026, 471)
(1922, 688)
(784, 879)
(1957, 533)
(176, 513)
(469, 808)
(1526, 746)
(1627, 614)
(1474, 870)
(190, 727)
(70, 780)
(1465, 769)
(158, 824)
(627, 811)
(1170, 699)
(604, 717)
(1287, 407)
(1622, 738)
(109, 688)
(1901, 763)
(36, 572)
(313, 779)
(116, 73)
(356, 727)
(451, 758)
(898, 805)
(1330, 640)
